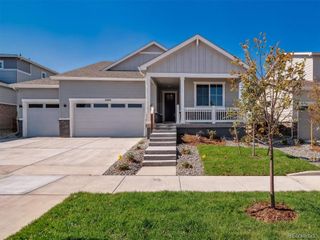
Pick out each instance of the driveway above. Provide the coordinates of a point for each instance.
(61, 156)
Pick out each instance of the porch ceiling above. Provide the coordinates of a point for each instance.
(167, 82)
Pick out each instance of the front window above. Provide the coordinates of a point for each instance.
(209, 94)
(1, 64)
(43, 74)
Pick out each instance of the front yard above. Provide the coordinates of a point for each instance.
(172, 215)
(228, 161)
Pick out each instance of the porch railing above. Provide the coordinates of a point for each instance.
(208, 114)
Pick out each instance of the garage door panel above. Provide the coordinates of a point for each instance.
(43, 122)
(122, 122)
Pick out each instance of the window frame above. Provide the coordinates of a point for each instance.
(46, 75)
(209, 84)
(2, 64)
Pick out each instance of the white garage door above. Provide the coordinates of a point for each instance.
(109, 119)
(43, 120)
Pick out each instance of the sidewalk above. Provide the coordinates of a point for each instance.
(28, 197)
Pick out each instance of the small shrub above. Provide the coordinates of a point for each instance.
(130, 156)
(186, 165)
(186, 151)
(247, 139)
(120, 157)
(298, 142)
(123, 167)
(212, 134)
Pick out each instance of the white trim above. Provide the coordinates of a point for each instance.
(11, 104)
(209, 83)
(163, 103)
(151, 53)
(156, 103)
(182, 99)
(134, 53)
(64, 119)
(185, 43)
(97, 78)
(25, 103)
(5, 85)
(73, 101)
(33, 86)
(2, 64)
(194, 75)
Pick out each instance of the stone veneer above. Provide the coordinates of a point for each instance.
(64, 127)
(8, 116)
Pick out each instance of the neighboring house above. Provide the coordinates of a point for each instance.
(190, 84)
(312, 76)
(15, 69)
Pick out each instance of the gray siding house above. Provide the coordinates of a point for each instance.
(15, 69)
(189, 84)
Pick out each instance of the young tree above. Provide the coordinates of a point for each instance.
(314, 109)
(269, 85)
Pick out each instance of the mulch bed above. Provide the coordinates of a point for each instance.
(127, 165)
(195, 140)
(263, 212)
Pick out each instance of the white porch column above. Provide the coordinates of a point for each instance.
(148, 99)
(182, 117)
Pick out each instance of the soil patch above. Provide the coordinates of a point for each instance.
(263, 212)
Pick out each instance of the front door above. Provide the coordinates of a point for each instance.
(169, 106)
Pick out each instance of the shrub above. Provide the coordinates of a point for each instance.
(186, 165)
(130, 156)
(298, 142)
(186, 151)
(123, 167)
(284, 141)
(212, 134)
(247, 139)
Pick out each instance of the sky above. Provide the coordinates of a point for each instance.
(65, 35)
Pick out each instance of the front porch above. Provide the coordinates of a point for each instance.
(192, 101)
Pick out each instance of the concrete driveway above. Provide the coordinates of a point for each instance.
(61, 156)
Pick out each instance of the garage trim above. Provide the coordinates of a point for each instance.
(25, 103)
(74, 101)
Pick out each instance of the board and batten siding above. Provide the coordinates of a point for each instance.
(230, 95)
(97, 89)
(132, 63)
(308, 68)
(35, 93)
(194, 59)
(7, 95)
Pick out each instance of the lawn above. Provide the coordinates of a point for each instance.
(172, 215)
(227, 161)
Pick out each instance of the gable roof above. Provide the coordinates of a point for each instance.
(185, 43)
(135, 52)
(96, 72)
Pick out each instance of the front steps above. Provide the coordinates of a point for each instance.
(162, 149)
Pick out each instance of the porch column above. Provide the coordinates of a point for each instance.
(148, 99)
(182, 99)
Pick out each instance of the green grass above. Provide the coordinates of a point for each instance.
(172, 215)
(227, 161)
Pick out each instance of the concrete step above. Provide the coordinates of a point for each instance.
(160, 157)
(164, 131)
(159, 163)
(164, 134)
(164, 143)
(161, 150)
(162, 139)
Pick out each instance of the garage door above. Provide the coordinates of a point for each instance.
(43, 120)
(109, 119)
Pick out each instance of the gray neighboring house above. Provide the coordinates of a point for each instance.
(15, 69)
(189, 84)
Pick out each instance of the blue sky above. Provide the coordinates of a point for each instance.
(68, 34)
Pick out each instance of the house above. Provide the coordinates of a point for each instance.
(312, 76)
(190, 84)
(15, 69)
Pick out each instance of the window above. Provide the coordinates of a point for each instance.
(1, 64)
(52, 105)
(118, 105)
(100, 105)
(209, 94)
(43, 74)
(134, 105)
(35, 105)
(83, 105)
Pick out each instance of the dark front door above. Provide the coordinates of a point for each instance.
(169, 107)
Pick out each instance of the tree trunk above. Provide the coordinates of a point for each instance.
(253, 140)
(271, 157)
